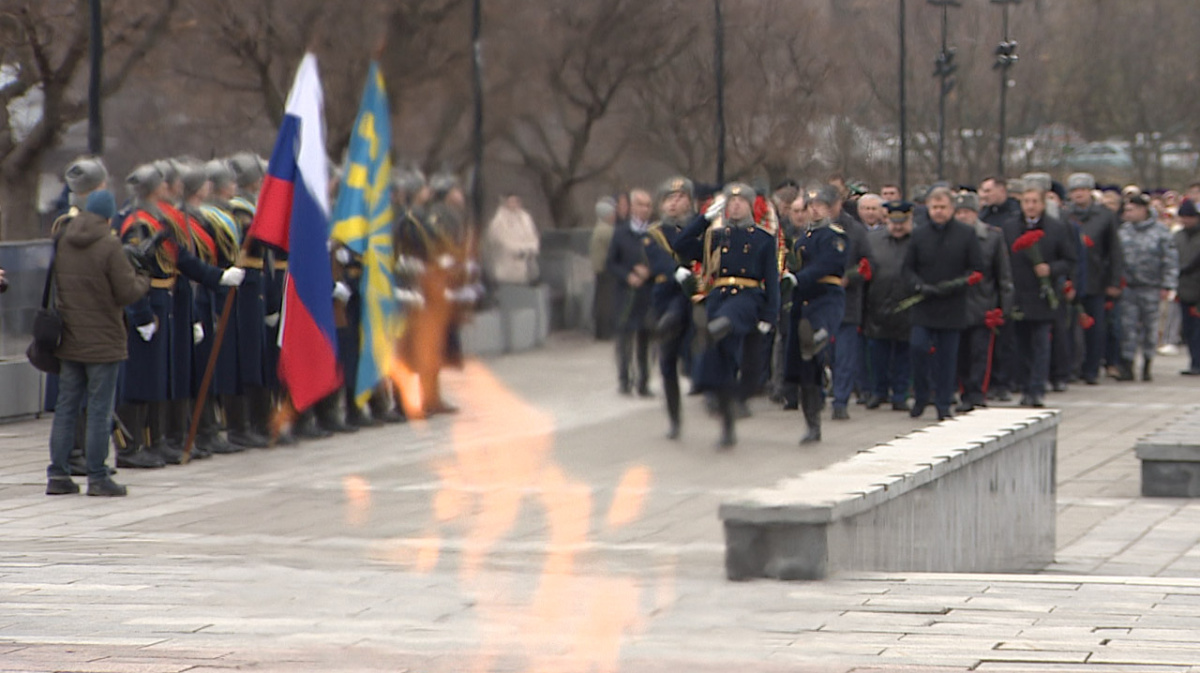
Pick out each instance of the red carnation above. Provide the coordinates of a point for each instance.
(1068, 287)
(1194, 312)
(864, 268)
(993, 318)
(1086, 321)
(975, 278)
(1088, 242)
(1108, 305)
(1027, 240)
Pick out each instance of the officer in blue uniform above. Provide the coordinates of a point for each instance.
(818, 302)
(670, 299)
(741, 275)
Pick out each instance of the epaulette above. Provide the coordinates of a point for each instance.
(837, 229)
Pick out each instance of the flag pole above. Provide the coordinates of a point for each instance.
(202, 396)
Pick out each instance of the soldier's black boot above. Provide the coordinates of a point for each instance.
(671, 391)
(208, 438)
(810, 402)
(725, 407)
(160, 427)
(237, 423)
(181, 425)
(1146, 369)
(306, 427)
(134, 454)
(1125, 371)
(329, 418)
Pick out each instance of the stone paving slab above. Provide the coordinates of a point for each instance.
(549, 528)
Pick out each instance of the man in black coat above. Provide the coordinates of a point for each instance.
(942, 256)
(1038, 290)
(887, 329)
(628, 264)
(976, 353)
(1105, 265)
(996, 205)
(849, 352)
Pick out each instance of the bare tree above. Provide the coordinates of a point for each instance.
(43, 47)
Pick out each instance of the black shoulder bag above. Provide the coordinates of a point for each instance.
(47, 325)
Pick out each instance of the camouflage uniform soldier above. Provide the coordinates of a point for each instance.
(1152, 274)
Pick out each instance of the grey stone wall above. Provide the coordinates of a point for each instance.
(976, 494)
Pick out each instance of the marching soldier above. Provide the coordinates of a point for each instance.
(818, 301)
(669, 297)
(741, 275)
(1152, 274)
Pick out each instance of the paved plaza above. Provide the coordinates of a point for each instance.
(550, 527)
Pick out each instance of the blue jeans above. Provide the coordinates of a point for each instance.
(934, 363)
(99, 383)
(890, 369)
(846, 363)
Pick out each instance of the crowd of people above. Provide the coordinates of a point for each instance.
(963, 296)
(140, 292)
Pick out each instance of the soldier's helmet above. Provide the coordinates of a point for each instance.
(85, 174)
(248, 169)
(144, 180)
(219, 173)
(193, 174)
(677, 185)
(443, 183)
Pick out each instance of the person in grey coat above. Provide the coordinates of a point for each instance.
(1151, 276)
(1187, 241)
(1100, 228)
(976, 349)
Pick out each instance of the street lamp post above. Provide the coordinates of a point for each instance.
(719, 68)
(1006, 57)
(96, 49)
(944, 68)
(903, 108)
(477, 134)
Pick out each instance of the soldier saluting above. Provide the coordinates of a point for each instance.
(741, 274)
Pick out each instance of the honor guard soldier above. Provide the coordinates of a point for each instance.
(151, 372)
(247, 416)
(670, 296)
(818, 302)
(741, 279)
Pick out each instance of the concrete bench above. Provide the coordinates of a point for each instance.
(1171, 459)
(974, 494)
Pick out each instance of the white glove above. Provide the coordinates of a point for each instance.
(682, 274)
(197, 333)
(447, 261)
(233, 276)
(341, 292)
(342, 256)
(410, 297)
(147, 331)
(789, 277)
(1171, 296)
(764, 326)
(714, 211)
(272, 320)
(465, 295)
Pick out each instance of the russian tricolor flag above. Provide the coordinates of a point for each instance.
(293, 215)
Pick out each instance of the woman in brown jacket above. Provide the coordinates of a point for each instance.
(94, 281)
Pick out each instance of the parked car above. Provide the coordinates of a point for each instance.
(1099, 156)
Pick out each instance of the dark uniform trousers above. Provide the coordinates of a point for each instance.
(974, 348)
(934, 364)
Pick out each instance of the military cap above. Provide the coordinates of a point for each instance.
(194, 175)
(409, 180)
(442, 183)
(741, 190)
(899, 210)
(826, 194)
(1041, 181)
(248, 168)
(144, 180)
(219, 173)
(1139, 199)
(1129, 190)
(676, 185)
(169, 170)
(1081, 181)
(85, 174)
(1188, 209)
(857, 188)
(966, 201)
